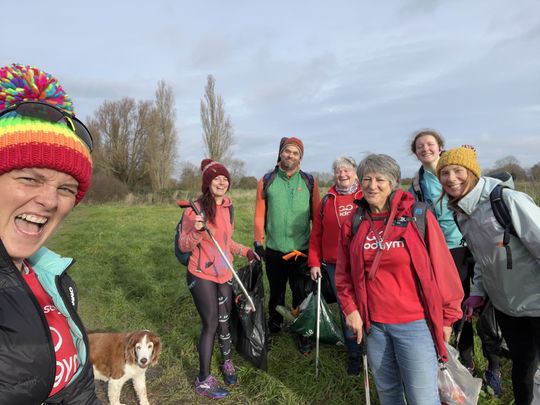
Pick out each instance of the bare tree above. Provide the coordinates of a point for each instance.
(161, 146)
(217, 128)
(190, 177)
(122, 129)
(511, 164)
(535, 172)
(236, 170)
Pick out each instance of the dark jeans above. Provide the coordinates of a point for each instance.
(353, 348)
(491, 344)
(522, 335)
(278, 272)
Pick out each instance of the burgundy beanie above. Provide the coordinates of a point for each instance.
(210, 170)
(291, 141)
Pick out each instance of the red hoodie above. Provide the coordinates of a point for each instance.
(438, 280)
(323, 241)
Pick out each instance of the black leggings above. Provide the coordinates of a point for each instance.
(522, 335)
(213, 302)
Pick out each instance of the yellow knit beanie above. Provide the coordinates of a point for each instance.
(464, 156)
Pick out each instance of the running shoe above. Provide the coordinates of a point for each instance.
(493, 379)
(209, 388)
(229, 373)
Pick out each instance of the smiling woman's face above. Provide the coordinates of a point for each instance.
(344, 176)
(33, 203)
(376, 188)
(428, 150)
(454, 181)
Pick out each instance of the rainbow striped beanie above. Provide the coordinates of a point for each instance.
(33, 142)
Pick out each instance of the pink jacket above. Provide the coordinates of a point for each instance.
(206, 261)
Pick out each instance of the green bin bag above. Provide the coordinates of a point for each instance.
(306, 322)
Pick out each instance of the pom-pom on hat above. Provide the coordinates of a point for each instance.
(291, 141)
(464, 156)
(33, 142)
(210, 170)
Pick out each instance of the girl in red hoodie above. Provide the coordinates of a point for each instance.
(208, 276)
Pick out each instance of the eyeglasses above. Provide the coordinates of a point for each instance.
(50, 113)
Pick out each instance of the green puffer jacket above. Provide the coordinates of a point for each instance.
(516, 291)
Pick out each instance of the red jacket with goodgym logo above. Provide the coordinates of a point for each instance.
(327, 221)
(438, 280)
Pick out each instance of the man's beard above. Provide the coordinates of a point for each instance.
(289, 164)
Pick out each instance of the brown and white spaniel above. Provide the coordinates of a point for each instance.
(118, 357)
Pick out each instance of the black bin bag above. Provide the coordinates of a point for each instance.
(248, 328)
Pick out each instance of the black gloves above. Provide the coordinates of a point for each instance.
(259, 249)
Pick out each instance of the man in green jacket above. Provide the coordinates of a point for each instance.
(286, 199)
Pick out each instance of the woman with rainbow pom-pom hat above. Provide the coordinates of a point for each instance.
(45, 170)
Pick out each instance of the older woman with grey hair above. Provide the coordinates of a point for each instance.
(397, 286)
(334, 209)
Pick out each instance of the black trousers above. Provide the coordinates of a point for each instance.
(491, 342)
(465, 267)
(279, 272)
(522, 335)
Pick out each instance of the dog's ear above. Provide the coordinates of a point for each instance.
(129, 348)
(157, 348)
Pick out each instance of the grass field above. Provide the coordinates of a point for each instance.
(129, 278)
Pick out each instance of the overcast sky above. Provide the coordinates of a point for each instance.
(346, 77)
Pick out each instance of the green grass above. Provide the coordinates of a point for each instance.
(128, 278)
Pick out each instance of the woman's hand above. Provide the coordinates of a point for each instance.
(200, 224)
(251, 255)
(446, 332)
(354, 323)
(315, 273)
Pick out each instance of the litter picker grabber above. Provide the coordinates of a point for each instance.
(366, 370)
(190, 203)
(460, 324)
(318, 327)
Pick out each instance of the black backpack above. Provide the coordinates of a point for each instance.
(503, 217)
(183, 257)
(501, 212)
(419, 209)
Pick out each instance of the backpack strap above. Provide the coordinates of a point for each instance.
(231, 213)
(309, 180)
(310, 184)
(268, 179)
(503, 217)
(324, 200)
(419, 216)
(416, 184)
(357, 220)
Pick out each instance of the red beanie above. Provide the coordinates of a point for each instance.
(210, 170)
(291, 141)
